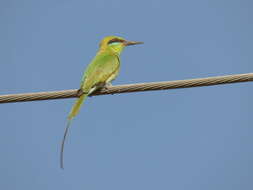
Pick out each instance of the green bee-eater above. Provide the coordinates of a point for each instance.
(100, 72)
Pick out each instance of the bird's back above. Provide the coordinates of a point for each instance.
(103, 68)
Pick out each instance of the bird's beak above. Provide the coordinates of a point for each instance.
(130, 43)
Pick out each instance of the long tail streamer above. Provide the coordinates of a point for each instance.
(63, 142)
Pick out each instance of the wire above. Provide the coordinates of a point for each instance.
(139, 87)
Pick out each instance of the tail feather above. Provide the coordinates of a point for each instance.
(74, 111)
(76, 107)
(63, 143)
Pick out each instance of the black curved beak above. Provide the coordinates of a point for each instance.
(130, 43)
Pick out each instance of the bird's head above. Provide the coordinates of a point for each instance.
(115, 44)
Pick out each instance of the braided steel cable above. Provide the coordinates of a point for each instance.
(139, 87)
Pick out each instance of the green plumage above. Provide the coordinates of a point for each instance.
(101, 71)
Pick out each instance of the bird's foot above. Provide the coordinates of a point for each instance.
(80, 92)
(107, 85)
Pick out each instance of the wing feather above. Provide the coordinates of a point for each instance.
(102, 68)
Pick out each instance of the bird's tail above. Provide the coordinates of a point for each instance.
(76, 107)
(74, 111)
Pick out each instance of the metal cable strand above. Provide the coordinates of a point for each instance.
(130, 88)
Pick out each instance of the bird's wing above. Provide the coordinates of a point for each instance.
(103, 67)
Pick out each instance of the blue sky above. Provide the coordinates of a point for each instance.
(194, 139)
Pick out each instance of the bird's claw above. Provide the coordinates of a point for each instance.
(79, 92)
(107, 86)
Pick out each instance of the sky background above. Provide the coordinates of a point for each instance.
(194, 139)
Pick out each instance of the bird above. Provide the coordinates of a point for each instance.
(99, 74)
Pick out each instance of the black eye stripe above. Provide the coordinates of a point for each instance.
(115, 40)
